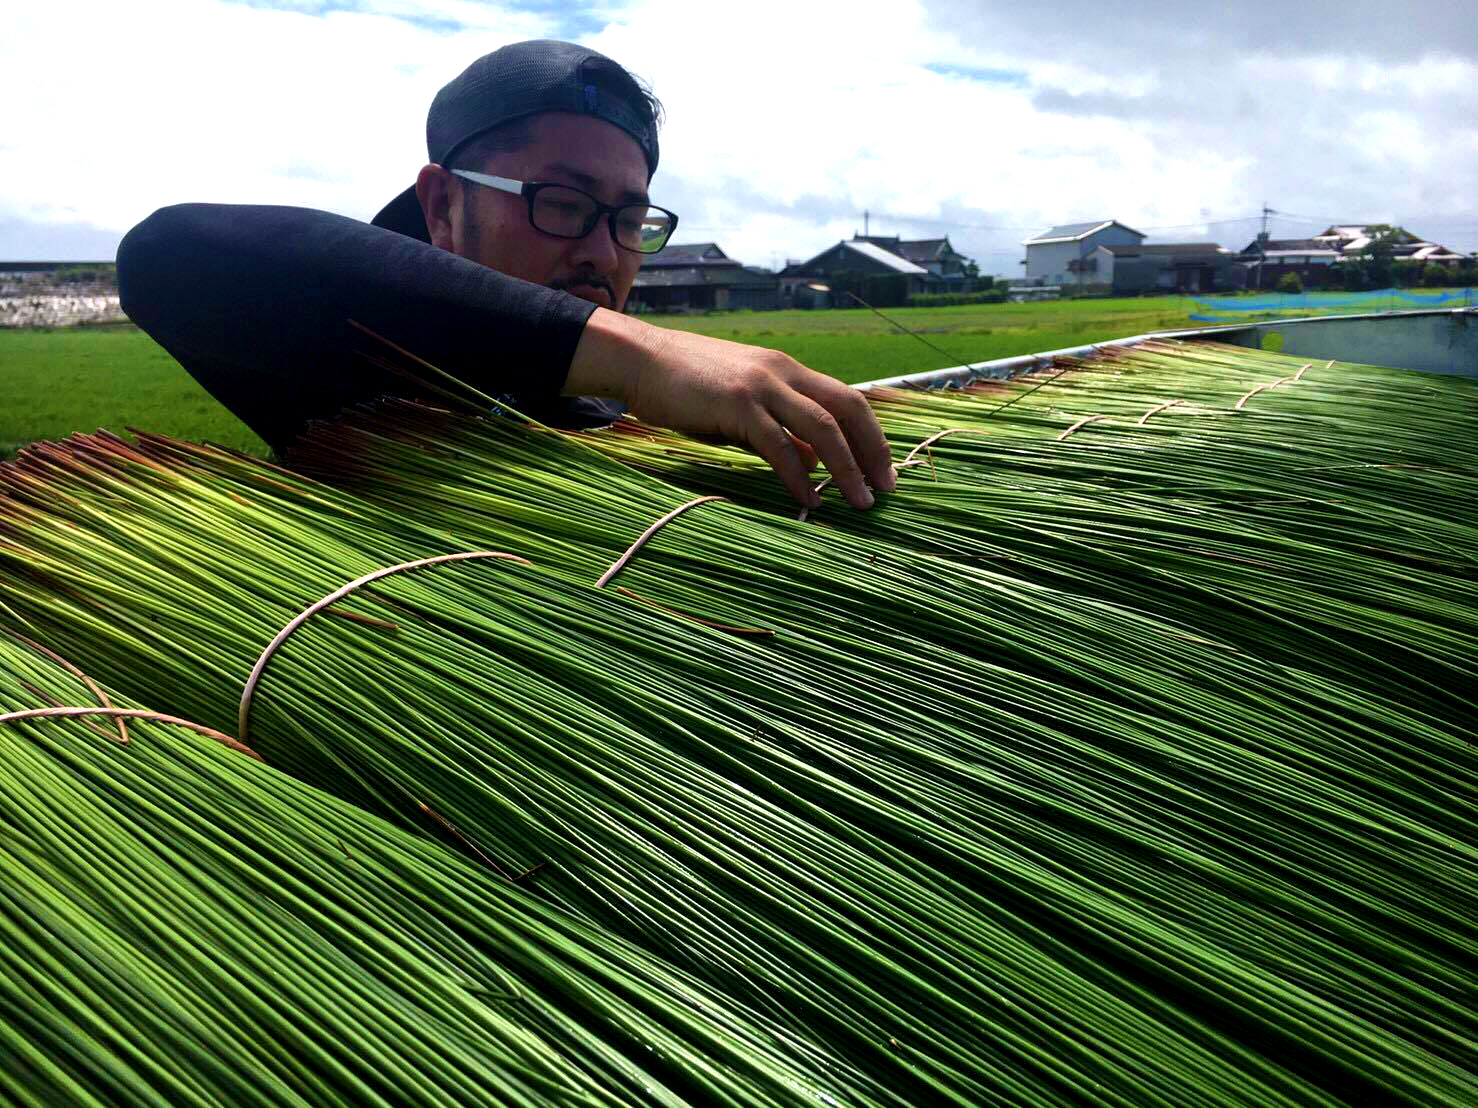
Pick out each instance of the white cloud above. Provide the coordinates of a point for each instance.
(786, 120)
(131, 106)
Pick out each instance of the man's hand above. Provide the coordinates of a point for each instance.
(764, 399)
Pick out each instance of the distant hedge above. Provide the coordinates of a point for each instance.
(948, 299)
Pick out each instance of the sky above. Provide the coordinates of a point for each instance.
(786, 121)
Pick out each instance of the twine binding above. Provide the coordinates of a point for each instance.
(620, 563)
(1154, 410)
(1280, 381)
(1248, 396)
(805, 513)
(244, 711)
(131, 713)
(932, 439)
(1081, 423)
(92, 685)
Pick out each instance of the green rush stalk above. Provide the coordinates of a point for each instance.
(180, 923)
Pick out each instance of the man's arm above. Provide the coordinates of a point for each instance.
(764, 399)
(256, 303)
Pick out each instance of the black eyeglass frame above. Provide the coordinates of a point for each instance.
(530, 190)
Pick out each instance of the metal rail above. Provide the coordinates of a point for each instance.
(956, 376)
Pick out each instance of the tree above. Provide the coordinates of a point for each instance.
(1376, 259)
(1406, 272)
(1290, 282)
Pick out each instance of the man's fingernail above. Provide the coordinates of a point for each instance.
(867, 500)
(890, 479)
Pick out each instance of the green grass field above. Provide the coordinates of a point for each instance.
(856, 345)
(79, 379)
(55, 382)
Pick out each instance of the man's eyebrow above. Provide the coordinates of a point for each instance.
(590, 184)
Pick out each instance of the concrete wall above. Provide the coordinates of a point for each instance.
(1435, 342)
(1048, 263)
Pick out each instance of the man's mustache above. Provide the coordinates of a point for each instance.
(591, 279)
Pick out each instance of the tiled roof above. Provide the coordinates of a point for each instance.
(1164, 248)
(914, 250)
(1072, 232)
(688, 253)
(923, 250)
(885, 257)
(1302, 245)
(1066, 231)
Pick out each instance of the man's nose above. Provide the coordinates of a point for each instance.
(598, 250)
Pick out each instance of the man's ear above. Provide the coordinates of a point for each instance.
(433, 190)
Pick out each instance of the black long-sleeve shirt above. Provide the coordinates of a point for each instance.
(256, 302)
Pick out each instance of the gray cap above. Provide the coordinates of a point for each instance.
(520, 80)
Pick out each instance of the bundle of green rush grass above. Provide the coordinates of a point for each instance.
(182, 924)
(1279, 643)
(902, 817)
(1328, 522)
(636, 804)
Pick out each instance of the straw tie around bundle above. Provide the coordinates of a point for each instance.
(932, 439)
(1081, 423)
(1281, 381)
(69, 712)
(620, 563)
(1155, 411)
(244, 712)
(92, 686)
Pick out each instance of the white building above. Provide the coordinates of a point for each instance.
(1064, 255)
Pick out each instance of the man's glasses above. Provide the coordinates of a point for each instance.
(571, 213)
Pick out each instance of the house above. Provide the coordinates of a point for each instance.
(858, 265)
(940, 258)
(1167, 267)
(1316, 259)
(1352, 240)
(699, 276)
(1066, 255)
(1268, 260)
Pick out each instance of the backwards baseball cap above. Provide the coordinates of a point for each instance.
(519, 81)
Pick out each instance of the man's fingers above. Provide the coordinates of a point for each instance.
(864, 434)
(777, 446)
(808, 420)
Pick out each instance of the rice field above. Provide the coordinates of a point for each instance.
(1123, 756)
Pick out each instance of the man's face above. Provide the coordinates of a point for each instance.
(569, 149)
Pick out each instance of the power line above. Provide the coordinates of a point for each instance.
(1287, 216)
(1037, 226)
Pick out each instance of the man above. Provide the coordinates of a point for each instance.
(506, 265)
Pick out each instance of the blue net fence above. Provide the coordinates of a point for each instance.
(1230, 309)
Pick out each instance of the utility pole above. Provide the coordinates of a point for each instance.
(865, 231)
(1262, 243)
